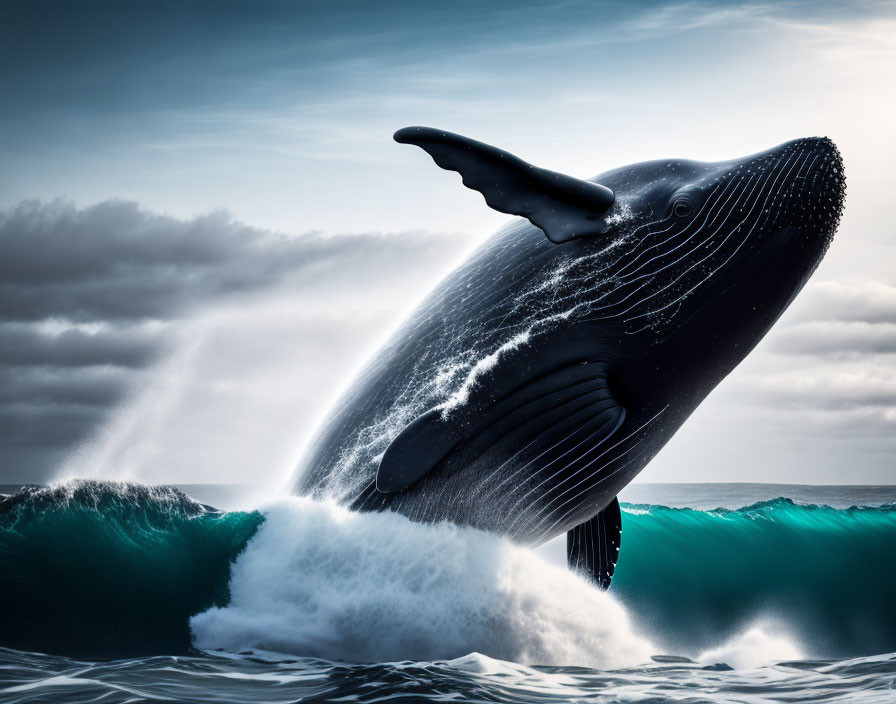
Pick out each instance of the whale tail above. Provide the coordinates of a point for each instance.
(592, 547)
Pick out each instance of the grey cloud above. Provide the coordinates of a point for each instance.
(42, 415)
(44, 411)
(836, 385)
(837, 337)
(89, 297)
(864, 301)
(114, 261)
(838, 396)
(44, 386)
(39, 431)
(841, 322)
(23, 344)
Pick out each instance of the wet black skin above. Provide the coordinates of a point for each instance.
(693, 264)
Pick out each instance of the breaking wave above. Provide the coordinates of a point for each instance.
(101, 569)
(107, 570)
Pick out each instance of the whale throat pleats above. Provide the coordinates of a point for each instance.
(564, 207)
(592, 547)
(551, 415)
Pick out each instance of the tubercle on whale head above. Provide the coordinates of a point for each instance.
(819, 215)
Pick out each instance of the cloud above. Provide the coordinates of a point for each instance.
(848, 300)
(841, 321)
(91, 298)
(114, 261)
(827, 387)
(231, 342)
(677, 17)
(837, 337)
(33, 345)
(831, 361)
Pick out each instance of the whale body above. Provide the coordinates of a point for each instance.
(542, 375)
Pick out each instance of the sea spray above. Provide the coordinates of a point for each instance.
(322, 581)
(759, 645)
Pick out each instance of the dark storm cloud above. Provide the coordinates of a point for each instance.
(36, 437)
(89, 297)
(44, 386)
(23, 344)
(115, 262)
(45, 410)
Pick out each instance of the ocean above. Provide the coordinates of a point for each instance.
(723, 593)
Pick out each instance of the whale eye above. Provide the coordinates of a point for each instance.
(682, 208)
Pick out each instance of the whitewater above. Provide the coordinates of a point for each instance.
(138, 593)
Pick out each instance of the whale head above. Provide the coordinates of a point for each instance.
(749, 230)
(707, 256)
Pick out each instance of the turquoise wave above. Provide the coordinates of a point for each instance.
(100, 569)
(826, 576)
(107, 570)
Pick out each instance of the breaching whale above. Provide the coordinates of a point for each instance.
(543, 374)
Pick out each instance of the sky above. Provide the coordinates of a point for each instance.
(205, 226)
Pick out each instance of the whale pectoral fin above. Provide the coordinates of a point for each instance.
(542, 421)
(415, 450)
(592, 547)
(563, 206)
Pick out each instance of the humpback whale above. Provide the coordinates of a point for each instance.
(544, 373)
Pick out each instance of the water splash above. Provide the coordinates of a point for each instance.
(759, 645)
(320, 580)
(482, 366)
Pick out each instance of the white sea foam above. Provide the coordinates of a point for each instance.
(759, 645)
(319, 580)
